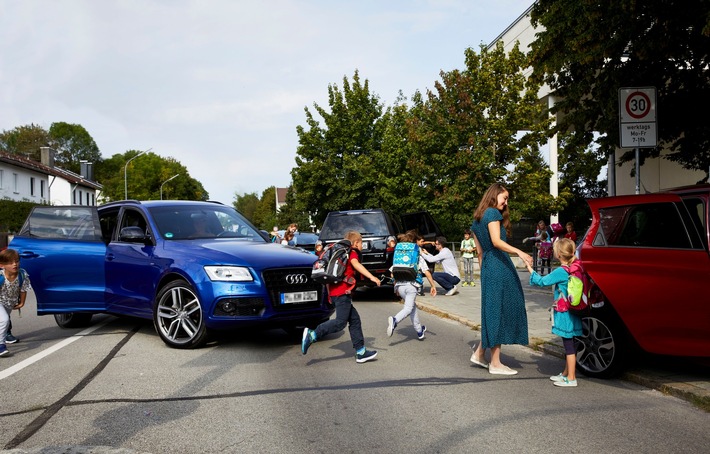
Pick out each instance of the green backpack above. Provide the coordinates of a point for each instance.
(578, 286)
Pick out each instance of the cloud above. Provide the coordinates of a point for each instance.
(221, 85)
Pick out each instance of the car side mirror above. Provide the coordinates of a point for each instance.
(132, 235)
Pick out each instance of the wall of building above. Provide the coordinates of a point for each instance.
(17, 183)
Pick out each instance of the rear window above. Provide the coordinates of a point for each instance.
(368, 224)
(62, 223)
(653, 225)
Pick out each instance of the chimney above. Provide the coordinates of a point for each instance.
(87, 170)
(47, 156)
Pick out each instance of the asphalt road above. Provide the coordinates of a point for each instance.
(120, 387)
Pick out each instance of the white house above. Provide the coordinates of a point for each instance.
(23, 179)
(655, 174)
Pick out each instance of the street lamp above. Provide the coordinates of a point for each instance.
(125, 172)
(161, 186)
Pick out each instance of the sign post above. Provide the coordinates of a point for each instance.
(637, 117)
(637, 121)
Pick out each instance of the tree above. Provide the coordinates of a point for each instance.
(627, 43)
(25, 140)
(579, 170)
(247, 204)
(73, 144)
(334, 166)
(144, 177)
(477, 127)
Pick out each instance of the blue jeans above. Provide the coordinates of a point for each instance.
(446, 280)
(345, 314)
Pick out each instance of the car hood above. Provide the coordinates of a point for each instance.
(241, 253)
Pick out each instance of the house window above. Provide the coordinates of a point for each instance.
(93, 199)
(73, 201)
(41, 188)
(1, 178)
(15, 183)
(87, 199)
(32, 186)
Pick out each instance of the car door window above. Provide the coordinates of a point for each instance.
(134, 218)
(63, 223)
(654, 225)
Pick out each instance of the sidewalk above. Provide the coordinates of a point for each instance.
(465, 308)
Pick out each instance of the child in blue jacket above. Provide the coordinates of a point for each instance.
(566, 324)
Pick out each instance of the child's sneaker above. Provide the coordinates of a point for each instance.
(391, 325)
(566, 383)
(366, 356)
(420, 334)
(10, 339)
(306, 341)
(465, 284)
(472, 284)
(3, 350)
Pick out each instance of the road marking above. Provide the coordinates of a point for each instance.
(34, 358)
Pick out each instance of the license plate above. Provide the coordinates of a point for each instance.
(299, 297)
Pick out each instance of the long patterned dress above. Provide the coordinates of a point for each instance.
(503, 316)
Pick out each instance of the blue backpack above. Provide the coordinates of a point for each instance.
(405, 263)
(22, 274)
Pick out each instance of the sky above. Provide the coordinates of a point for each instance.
(221, 85)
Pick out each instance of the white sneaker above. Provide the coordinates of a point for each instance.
(566, 383)
(391, 325)
(451, 292)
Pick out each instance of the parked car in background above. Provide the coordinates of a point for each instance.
(191, 267)
(648, 255)
(304, 240)
(376, 225)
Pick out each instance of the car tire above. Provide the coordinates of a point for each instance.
(603, 349)
(178, 316)
(73, 319)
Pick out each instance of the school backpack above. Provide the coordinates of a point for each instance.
(330, 266)
(21, 275)
(578, 289)
(405, 263)
(545, 250)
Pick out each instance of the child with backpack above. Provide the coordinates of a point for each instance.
(565, 323)
(13, 291)
(406, 287)
(544, 253)
(340, 294)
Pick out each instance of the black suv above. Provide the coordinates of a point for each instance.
(375, 226)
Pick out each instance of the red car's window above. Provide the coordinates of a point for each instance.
(656, 225)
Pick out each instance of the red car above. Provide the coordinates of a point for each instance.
(648, 256)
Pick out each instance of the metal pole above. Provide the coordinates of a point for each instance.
(161, 186)
(638, 170)
(125, 173)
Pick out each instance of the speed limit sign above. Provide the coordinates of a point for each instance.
(637, 117)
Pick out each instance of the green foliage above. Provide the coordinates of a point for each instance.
(25, 141)
(13, 214)
(73, 144)
(579, 169)
(335, 169)
(628, 43)
(265, 213)
(247, 204)
(145, 175)
(439, 153)
(292, 212)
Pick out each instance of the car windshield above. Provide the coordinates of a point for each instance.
(368, 224)
(191, 222)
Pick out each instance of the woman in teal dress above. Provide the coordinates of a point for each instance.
(503, 316)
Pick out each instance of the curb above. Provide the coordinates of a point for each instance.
(697, 396)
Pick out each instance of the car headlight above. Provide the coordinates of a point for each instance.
(228, 273)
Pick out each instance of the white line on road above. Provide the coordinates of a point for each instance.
(34, 358)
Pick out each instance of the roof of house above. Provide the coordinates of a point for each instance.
(26, 163)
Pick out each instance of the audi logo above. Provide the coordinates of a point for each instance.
(293, 279)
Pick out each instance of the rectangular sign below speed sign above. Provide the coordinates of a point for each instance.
(637, 117)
